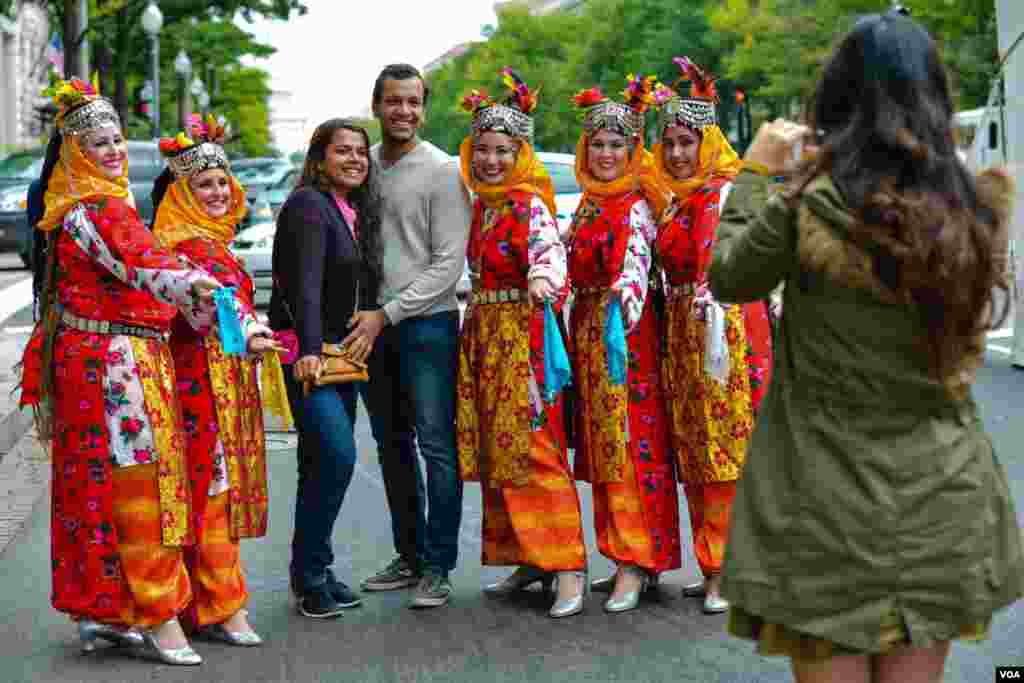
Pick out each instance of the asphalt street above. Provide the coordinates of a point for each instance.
(473, 638)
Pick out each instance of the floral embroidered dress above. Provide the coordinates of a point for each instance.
(622, 442)
(220, 402)
(510, 439)
(711, 419)
(113, 398)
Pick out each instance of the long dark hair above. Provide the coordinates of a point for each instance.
(884, 113)
(160, 186)
(365, 199)
(43, 242)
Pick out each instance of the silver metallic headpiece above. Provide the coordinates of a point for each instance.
(615, 116)
(688, 111)
(198, 158)
(93, 114)
(503, 119)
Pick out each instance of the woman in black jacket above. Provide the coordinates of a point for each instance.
(321, 278)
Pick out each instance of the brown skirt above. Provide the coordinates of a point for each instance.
(775, 640)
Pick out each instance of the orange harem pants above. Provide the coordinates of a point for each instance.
(539, 524)
(156, 575)
(710, 508)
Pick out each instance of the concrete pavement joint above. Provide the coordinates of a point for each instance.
(25, 475)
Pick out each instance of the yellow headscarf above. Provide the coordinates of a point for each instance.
(528, 175)
(75, 179)
(715, 159)
(641, 173)
(181, 217)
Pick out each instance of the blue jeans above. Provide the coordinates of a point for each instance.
(327, 457)
(411, 401)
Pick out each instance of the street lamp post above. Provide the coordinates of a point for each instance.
(152, 22)
(183, 68)
(198, 89)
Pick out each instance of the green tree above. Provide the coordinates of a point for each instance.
(779, 46)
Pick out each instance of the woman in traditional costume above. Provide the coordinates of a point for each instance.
(511, 430)
(708, 379)
(98, 372)
(621, 437)
(199, 204)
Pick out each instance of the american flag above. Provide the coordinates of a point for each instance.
(55, 52)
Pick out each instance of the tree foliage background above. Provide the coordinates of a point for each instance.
(771, 49)
(215, 43)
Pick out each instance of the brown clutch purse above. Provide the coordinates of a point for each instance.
(336, 367)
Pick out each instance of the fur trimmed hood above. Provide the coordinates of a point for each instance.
(824, 244)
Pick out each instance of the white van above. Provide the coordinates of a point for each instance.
(979, 137)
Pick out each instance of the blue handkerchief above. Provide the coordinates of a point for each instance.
(231, 337)
(557, 372)
(615, 343)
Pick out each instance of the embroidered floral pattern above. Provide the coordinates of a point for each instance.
(501, 363)
(131, 437)
(221, 400)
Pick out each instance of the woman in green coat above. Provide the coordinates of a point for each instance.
(873, 522)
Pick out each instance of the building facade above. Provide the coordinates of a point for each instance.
(24, 72)
(449, 56)
(539, 7)
(289, 128)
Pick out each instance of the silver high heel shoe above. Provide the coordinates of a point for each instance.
(607, 584)
(89, 631)
(242, 639)
(219, 633)
(715, 604)
(631, 599)
(182, 656)
(573, 605)
(520, 579)
(695, 590)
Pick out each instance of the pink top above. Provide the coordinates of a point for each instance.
(350, 215)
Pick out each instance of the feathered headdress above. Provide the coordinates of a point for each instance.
(80, 107)
(197, 149)
(696, 110)
(599, 111)
(510, 115)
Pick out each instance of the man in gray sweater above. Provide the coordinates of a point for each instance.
(425, 218)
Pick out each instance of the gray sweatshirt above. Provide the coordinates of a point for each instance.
(425, 217)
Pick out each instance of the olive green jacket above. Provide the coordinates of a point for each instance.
(869, 486)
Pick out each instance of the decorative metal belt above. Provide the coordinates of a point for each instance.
(498, 296)
(685, 289)
(106, 327)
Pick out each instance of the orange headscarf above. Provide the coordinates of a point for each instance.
(75, 179)
(715, 159)
(641, 173)
(528, 175)
(181, 217)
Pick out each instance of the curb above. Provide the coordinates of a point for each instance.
(13, 426)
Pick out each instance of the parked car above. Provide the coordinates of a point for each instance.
(254, 247)
(16, 168)
(266, 203)
(144, 165)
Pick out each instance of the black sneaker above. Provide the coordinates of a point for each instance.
(433, 590)
(319, 603)
(342, 594)
(399, 574)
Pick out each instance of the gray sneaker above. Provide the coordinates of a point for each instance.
(433, 591)
(398, 574)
